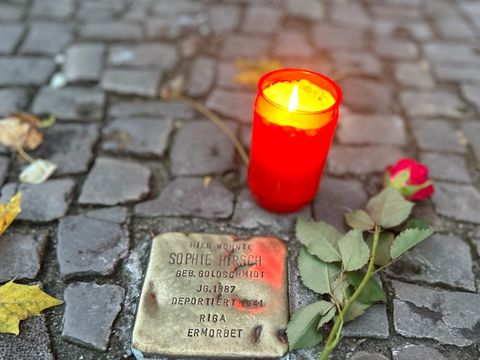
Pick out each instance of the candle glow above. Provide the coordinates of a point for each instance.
(296, 112)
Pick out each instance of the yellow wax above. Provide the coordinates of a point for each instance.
(310, 97)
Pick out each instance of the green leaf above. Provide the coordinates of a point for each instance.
(417, 223)
(302, 329)
(316, 274)
(408, 239)
(359, 219)
(389, 209)
(339, 289)
(353, 250)
(356, 309)
(327, 317)
(320, 239)
(371, 293)
(382, 257)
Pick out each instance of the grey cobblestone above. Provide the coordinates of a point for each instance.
(372, 324)
(244, 46)
(437, 135)
(46, 202)
(459, 202)
(127, 181)
(88, 246)
(357, 63)
(46, 38)
(451, 52)
(147, 108)
(54, 9)
(292, 44)
(84, 62)
(335, 37)
(233, 104)
(138, 136)
(69, 146)
(453, 73)
(3, 168)
(472, 132)
(411, 74)
(202, 76)
(446, 167)
(396, 49)
(10, 35)
(379, 100)
(190, 197)
(25, 70)
(441, 259)
(201, 148)
(224, 18)
(432, 104)
(262, 19)
(71, 103)
(11, 12)
(416, 352)
(88, 324)
(472, 94)
(307, 9)
(363, 355)
(448, 317)
(111, 31)
(419, 31)
(132, 81)
(350, 14)
(159, 56)
(21, 255)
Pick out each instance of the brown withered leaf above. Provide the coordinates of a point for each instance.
(250, 71)
(20, 130)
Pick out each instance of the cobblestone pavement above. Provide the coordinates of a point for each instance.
(131, 165)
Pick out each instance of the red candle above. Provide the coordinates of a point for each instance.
(295, 115)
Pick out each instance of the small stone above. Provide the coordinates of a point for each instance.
(459, 202)
(55, 9)
(448, 317)
(335, 197)
(357, 63)
(112, 182)
(132, 81)
(472, 94)
(416, 352)
(70, 103)
(111, 31)
(293, 44)
(190, 197)
(33, 341)
(46, 202)
(3, 168)
(89, 247)
(432, 104)
(372, 129)
(372, 324)
(25, 70)
(441, 259)
(472, 132)
(446, 167)
(224, 18)
(160, 56)
(46, 38)
(396, 49)
(202, 76)
(138, 136)
(234, 104)
(201, 148)
(410, 74)
(358, 161)
(437, 135)
(307, 9)
(10, 35)
(335, 37)
(153, 108)
(84, 62)
(244, 46)
(451, 52)
(250, 216)
(363, 355)
(455, 73)
(11, 12)
(380, 99)
(12, 99)
(90, 311)
(262, 19)
(69, 146)
(21, 255)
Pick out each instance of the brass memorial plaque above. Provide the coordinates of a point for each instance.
(213, 296)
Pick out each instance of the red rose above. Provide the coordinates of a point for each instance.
(410, 178)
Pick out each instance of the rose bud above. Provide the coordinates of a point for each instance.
(410, 178)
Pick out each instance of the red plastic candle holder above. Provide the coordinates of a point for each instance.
(290, 144)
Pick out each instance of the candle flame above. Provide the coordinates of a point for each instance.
(293, 104)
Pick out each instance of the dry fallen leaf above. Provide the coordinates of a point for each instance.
(19, 302)
(20, 130)
(8, 212)
(250, 71)
(207, 180)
